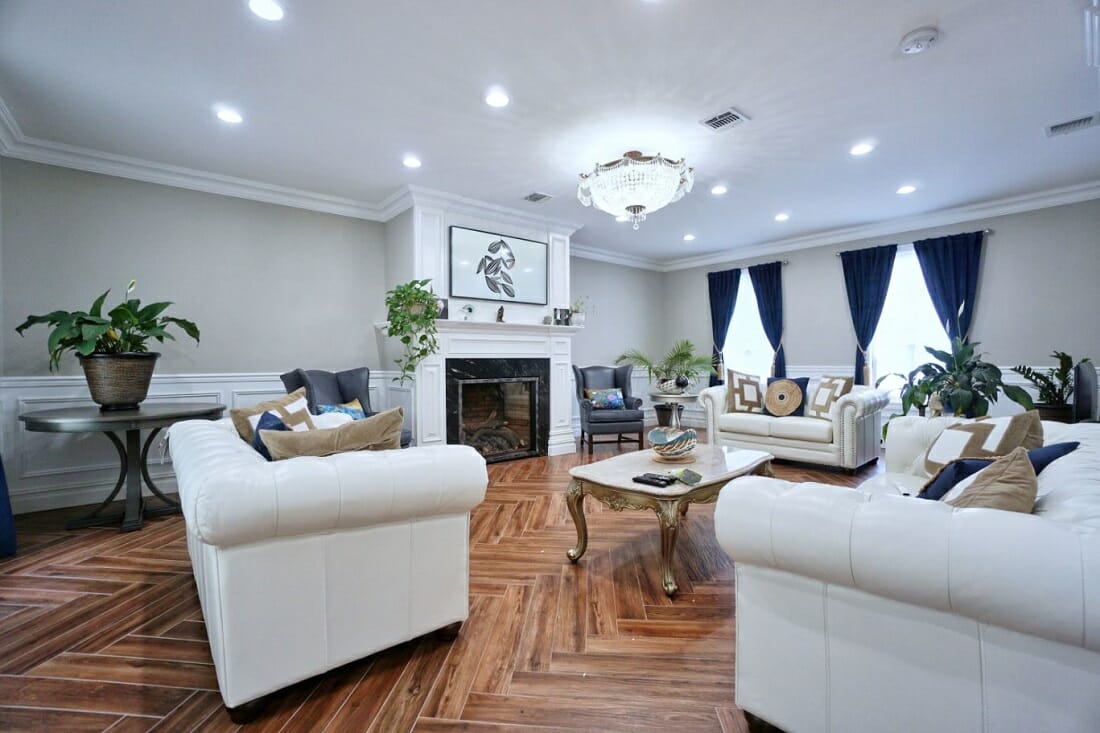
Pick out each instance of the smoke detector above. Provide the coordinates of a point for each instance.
(919, 41)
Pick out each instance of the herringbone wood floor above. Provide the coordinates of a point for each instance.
(102, 631)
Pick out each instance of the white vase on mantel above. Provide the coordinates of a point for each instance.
(577, 319)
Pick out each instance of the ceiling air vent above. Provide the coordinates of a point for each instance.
(537, 198)
(1081, 123)
(725, 119)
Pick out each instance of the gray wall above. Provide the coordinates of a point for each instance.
(624, 310)
(271, 287)
(1039, 290)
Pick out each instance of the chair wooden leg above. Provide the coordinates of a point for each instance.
(580, 446)
(590, 442)
(641, 441)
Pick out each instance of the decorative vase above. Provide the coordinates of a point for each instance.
(119, 381)
(577, 318)
(664, 414)
(673, 444)
(669, 386)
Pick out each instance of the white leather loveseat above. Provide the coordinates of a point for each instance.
(306, 564)
(848, 439)
(873, 611)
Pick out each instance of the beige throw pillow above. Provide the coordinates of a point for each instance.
(293, 410)
(378, 432)
(984, 438)
(829, 390)
(743, 393)
(1009, 483)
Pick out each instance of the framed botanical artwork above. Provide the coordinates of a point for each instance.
(487, 266)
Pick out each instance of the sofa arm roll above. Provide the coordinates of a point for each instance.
(713, 400)
(1016, 571)
(860, 402)
(349, 490)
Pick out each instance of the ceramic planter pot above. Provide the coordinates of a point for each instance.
(1055, 413)
(119, 381)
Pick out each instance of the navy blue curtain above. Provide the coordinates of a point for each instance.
(767, 281)
(867, 278)
(7, 522)
(950, 266)
(723, 295)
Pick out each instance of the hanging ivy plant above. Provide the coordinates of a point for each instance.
(412, 310)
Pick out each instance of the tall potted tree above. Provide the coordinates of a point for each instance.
(113, 348)
(965, 384)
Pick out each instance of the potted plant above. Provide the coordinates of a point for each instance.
(412, 308)
(113, 348)
(965, 384)
(915, 391)
(577, 315)
(1055, 387)
(673, 373)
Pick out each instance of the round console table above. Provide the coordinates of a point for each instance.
(672, 400)
(133, 457)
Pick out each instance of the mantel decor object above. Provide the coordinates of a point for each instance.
(112, 348)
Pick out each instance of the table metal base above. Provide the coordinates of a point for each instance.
(133, 471)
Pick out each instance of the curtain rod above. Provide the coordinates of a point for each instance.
(986, 232)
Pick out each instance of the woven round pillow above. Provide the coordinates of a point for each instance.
(782, 398)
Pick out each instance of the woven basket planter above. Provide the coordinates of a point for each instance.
(119, 381)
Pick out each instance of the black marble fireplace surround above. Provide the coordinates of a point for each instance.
(484, 389)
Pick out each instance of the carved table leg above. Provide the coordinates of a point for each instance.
(668, 515)
(574, 499)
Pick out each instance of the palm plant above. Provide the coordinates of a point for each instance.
(681, 361)
(1055, 384)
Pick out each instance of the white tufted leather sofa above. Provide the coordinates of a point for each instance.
(849, 439)
(866, 610)
(306, 564)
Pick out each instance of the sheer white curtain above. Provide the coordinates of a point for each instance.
(747, 349)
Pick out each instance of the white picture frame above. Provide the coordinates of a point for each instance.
(497, 268)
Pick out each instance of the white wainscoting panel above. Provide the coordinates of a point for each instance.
(52, 470)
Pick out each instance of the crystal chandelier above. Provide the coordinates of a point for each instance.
(635, 185)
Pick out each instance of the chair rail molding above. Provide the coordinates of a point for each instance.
(54, 470)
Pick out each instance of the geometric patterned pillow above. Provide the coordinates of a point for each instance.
(292, 409)
(829, 390)
(984, 438)
(743, 393)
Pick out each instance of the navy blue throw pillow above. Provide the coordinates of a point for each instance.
(268, 421)
(957, 470)
(779, 402)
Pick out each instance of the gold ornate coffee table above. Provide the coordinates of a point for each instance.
(611, 482)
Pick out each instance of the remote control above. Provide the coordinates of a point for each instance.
(643, 479)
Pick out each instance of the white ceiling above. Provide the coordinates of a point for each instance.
(334, 96)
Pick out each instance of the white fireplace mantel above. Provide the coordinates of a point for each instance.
(481, 340)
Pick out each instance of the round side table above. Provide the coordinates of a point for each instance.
(132, 456)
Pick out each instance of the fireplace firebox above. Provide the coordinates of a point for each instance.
(500, 407)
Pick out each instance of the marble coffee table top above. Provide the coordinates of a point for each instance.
(717, 464)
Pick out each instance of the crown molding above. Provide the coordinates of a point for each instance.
(615, 258)
(943, 217)
(412, 195)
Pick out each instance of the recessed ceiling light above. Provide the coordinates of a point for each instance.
(906, 190)
(497, 97)
(862, 148)
(621, 218)
(689, 237)
(411, 161)
(718, 190)
(782, 216)
(266, 9)
(228, 114)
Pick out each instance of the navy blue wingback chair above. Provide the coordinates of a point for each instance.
(7, 521)
(335, 388)
(629, 419)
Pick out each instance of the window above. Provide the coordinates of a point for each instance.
(747, 349)
(908, 323)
